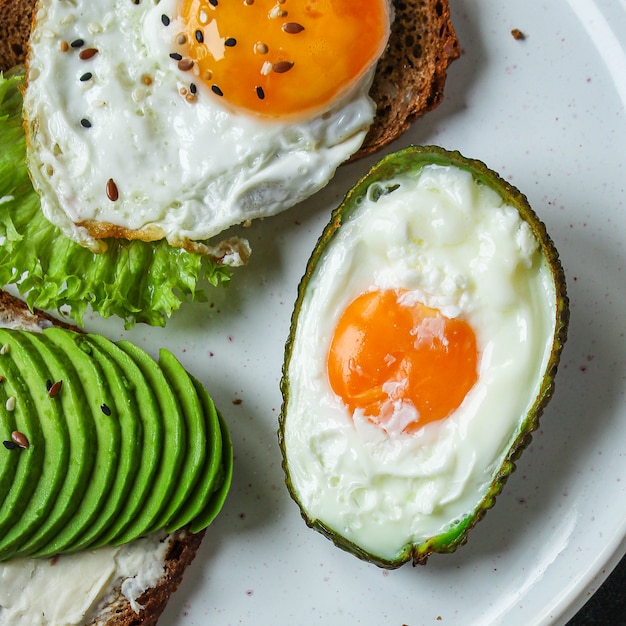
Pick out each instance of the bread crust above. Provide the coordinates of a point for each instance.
(409, 79)
(183, 545)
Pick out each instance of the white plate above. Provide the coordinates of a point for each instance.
(547, 112)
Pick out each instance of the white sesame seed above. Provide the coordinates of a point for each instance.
(204, 17)
(4, 349)
(10, 403)
(266, 68)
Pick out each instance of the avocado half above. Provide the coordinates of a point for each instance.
(413, 159)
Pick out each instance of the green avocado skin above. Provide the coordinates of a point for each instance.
(120, 447)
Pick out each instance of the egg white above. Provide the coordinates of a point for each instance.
(456, 247)
(184, 170)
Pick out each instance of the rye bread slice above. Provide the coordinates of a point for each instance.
(409, 79)
(115, 609)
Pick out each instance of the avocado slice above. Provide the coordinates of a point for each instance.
(223, 479)
(81, 430)
(107, 443)
(29, 469)
(165, 482)
(8, 462)
(201, 496)
(124, 410)
(196, 430)
(381, 181)
(150, 442)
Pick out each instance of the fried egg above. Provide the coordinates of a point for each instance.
(180, 118)
(422, 339)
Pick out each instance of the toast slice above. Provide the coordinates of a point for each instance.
(121, 601)
(409, 79)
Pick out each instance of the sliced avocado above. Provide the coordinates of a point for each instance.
(54, 446)
(81, 430)
(381, 181)
(150, 443)
(8, 462)
(125, 411)
(173, 451)
(29, 469)
(107, 444)
(196, 430)
(223, 479)
(199, 499)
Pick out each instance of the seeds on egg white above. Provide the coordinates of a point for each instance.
(87, 53)
(165, 20)
(176, 56)
(216, 90)
(85, 77)
(64, 46)
(193, 88)
(112, 191)
(85, 123)
(78, 43)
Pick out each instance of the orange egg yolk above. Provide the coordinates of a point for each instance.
(280, 57)
(385, 351)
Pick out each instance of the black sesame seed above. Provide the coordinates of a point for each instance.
(176, 56)
(105, 409)
(85, 123)
(199, 36)
(230, 42)
(10, 445)
(216, 90)
(86, 76)
(260, 93)
(78, 43)
(48, 384)
(193, 88)
(165, 20)
(213, 3)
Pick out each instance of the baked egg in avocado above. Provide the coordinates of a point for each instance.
(423, 347)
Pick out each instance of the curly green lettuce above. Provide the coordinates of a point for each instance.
(137, 281)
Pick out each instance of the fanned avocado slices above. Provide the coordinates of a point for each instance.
(114, 445)
(453, 243)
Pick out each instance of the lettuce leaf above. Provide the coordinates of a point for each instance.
(137, 281)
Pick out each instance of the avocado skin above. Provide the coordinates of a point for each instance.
(157, 417)
(408, 159)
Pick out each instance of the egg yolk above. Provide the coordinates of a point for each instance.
(385, 351)
(280, 57)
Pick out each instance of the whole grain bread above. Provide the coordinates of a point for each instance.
(115, 609)
(409, 79)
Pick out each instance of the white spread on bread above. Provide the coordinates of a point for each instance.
(70, 589)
